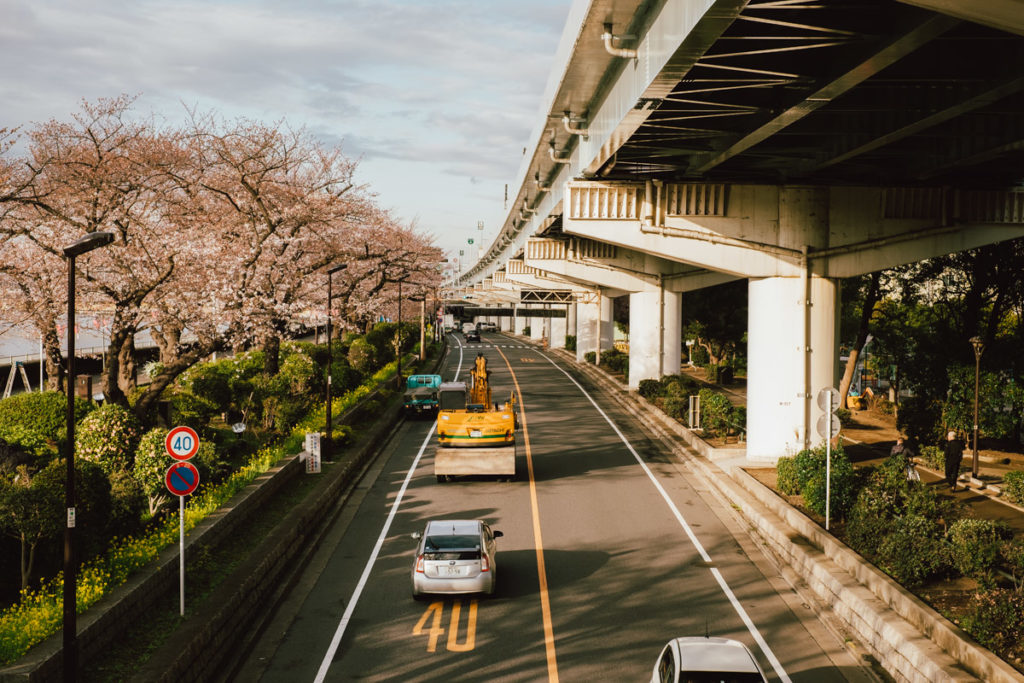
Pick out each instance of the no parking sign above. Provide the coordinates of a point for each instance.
(182, 478)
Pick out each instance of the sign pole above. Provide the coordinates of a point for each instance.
(828, 471)
(181, 553)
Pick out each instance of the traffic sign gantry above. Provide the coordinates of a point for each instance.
(182, 478)
(182, 443)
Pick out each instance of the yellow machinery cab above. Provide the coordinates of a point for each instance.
(466, 416)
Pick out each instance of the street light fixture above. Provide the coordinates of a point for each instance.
(327, 449)
(86, 244)
(979, 346)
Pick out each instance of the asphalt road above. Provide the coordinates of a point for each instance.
(611, 547)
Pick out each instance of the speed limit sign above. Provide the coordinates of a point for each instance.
(182, 443)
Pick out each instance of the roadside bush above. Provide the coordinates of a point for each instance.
(975, 546)
(615, 361)
(884, 405)
(361, 356)
(676, 403)
(914, 551)
(996, 619)
(526, 331)
(920, 419)
(841, 492)
(212, 382)
(870, 518)
(649, 388)
(108, 437)
(38, 417)
(1013, 556)
(786, 480)
(127, 502)
(570, 342)
(687, 385)
(590, 357)
(932, 457)
(699, 355)
(151, 463)
(715, 412)
(191, 410)
(1013, 486)
(25, 440)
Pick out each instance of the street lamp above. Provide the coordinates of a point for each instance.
(327, 445)
(400, 332)
(979, 346)
(70, 628)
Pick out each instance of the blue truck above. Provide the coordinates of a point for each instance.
(421, 393)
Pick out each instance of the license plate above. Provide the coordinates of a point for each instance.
(451, 571)
(476, 433)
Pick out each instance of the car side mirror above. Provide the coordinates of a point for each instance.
(498, 534)
(416, 535)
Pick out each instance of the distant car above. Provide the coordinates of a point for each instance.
(455, 556)
(472, 336)
(706, 659)
(487, 327)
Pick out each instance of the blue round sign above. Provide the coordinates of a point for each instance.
(182, 478)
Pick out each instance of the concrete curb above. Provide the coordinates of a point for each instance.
(909, 639)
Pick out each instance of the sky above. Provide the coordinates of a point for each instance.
(435, 98)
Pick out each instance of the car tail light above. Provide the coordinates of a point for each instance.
(419, 564)
(484, 564)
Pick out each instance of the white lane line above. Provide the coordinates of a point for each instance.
(758, 638)
(339, 632)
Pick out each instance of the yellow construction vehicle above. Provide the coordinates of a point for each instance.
(474, 435)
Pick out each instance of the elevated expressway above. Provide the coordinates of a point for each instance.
(791, 143)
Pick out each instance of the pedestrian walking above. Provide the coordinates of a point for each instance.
(954, 452)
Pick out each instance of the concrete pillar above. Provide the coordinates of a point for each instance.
(783, 376)
(654, 334)
(606, 330)
(557, 327)
(505, 323)
(538, 326)
(520, 321)
(588, 322)
(570, 320)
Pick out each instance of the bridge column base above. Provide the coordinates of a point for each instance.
(655, 334)
(783, 374)
(594, 327)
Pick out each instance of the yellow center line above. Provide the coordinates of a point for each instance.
(545, 603)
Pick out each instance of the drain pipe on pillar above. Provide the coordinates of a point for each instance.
(806, 277)
(661, 326)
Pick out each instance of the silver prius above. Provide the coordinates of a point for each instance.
(706, 660)
(455, 556)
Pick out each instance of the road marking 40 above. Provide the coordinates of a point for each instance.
(435, 614)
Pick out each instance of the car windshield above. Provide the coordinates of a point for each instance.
(451, 542)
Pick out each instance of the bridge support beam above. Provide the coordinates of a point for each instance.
(791, 355)
(655, 334)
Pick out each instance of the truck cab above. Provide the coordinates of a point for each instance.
(421, 393)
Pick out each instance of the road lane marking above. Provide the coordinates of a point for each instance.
(332, 649)
(435, 609)
(545, 602)
(758, 638)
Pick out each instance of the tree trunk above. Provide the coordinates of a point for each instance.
(271, 346)
(167, 338)
(127, 377)
(151, 393)
(867, 310)
(54, 360)
(111, 375)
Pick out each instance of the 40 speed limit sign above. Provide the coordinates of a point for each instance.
(182, 443)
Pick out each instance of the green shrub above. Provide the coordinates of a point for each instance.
(932, 457)
(920, 418)
(871, 518)
(108, 437)
(361, 356)
(190, 410)
(841, 491)
(715, 412)
(996, 619)
(212, 383)
(844, 415)
(590, 357)
(35, 417)
(649, 388)
(975, 546)
(686, 384)
(1013, 486)
(676, 403)
(570, 342)
(786, 479)
(30, 441)
(151, 463)
(526, 331)
(884, 405)
(914, 550)
(128, 503)
(1013, 557)
(615, 361)
(699, 355)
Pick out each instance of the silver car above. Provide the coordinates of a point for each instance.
(455, 556)
(721, 660)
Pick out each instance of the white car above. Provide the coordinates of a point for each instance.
(455, 556)
(706, 660)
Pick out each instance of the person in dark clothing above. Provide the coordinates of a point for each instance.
(954, 452)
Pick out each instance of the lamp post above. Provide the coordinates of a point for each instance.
(70, 627)
(979, 346)
(327, 449)
(399, 354)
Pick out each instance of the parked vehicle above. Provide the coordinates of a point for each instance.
(706, 659)
(455, 556)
